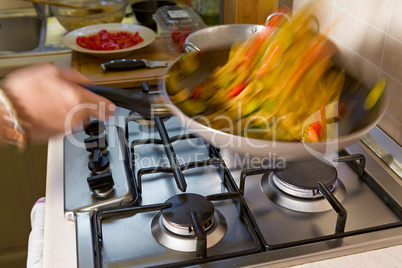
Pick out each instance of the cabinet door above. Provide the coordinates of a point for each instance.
(246, 11)
(23, 181)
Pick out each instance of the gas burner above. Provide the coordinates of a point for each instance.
(300, 178)
(173, 228)
(177, 218)
(296, 186)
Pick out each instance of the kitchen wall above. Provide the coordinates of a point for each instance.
(369, 35)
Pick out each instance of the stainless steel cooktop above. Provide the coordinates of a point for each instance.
(158, 196)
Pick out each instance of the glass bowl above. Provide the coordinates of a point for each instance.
(105, 11)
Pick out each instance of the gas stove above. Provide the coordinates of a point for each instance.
(146, 193)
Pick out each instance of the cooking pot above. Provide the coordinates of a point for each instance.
(357, 123)
(225, 35)
(222, 35)
(349, 129)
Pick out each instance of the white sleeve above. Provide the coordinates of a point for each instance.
(35, 242)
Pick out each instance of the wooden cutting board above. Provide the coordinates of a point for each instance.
(90, 67)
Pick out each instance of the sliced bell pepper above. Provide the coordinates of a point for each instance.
(189, 63)
(319, 49)
(375, 94)
(196, 93)
(254, 48)
(237, 89)
(192, 107)
(250, 107)
(315, 132)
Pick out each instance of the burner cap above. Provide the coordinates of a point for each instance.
(179, 215)
(307, 173)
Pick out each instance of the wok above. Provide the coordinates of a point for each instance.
(349, 129)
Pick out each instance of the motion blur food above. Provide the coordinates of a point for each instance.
(278, 85)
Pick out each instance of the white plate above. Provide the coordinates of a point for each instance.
(147, 34)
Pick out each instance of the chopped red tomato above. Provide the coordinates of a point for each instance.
(105, 40)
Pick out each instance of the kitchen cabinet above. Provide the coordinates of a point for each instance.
(251, 12)
(23, 178)
(23, 175)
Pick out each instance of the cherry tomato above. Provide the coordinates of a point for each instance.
(179, 36)
(181, 43)
(174, 33)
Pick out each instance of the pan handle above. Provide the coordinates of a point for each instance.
(140, 102)
(190, 47)
(276, 14)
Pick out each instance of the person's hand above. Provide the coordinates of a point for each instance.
(50, 100)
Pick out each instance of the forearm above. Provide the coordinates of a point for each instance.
(45, 96)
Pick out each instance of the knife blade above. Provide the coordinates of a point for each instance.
(132, 64)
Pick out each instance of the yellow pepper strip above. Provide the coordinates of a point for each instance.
(375, 94)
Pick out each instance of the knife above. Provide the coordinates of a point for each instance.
(132, 64)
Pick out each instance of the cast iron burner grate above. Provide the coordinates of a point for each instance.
(357, 161)
(175, 168)
(189, 222)
(201, 239)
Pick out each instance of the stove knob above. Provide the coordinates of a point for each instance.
(101, 184)
(99, 163)
(95, 143)
(94, 127)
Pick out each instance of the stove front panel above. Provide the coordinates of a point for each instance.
(78, 196)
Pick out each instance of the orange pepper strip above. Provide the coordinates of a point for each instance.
(318, 50)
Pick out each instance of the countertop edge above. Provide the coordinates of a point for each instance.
(59, 247)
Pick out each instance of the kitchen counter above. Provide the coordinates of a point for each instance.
(59, 234)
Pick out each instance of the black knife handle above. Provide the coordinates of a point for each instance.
(123, 65)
